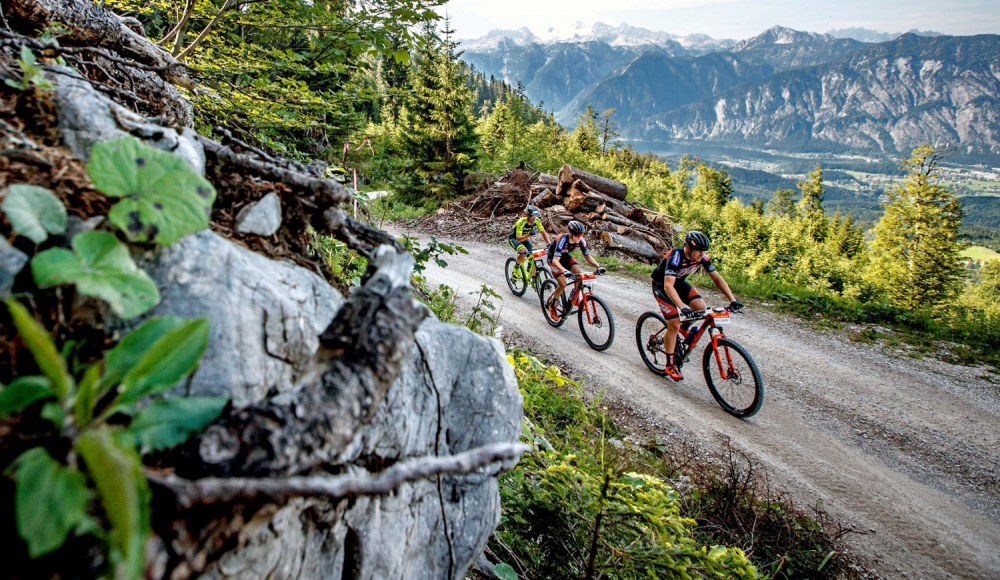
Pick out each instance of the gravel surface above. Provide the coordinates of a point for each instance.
(904, 448)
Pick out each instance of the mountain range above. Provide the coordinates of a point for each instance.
(784, 89)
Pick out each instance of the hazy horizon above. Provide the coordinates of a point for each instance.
(735, 19)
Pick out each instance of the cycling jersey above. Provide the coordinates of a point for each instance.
(678, 265)
(562, 245)
(519, 228)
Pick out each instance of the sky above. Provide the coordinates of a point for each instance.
(736, 19)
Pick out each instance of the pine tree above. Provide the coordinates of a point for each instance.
(811, 206)
(783, 203)
(437, 131)
(586, 132)
(916, 253)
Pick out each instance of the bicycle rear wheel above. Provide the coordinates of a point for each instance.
(649, 331)
(548, 290)
(517, 285)
(741, 393)
(599, 330)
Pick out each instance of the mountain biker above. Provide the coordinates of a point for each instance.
(529, 224)
(672, 290)
(560, 260)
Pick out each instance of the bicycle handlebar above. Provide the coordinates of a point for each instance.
(701, 314)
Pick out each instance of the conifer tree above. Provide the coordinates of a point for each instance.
(915, 254)
(607, 129)
(783, 203)
(437, 131)
(586, 132)
(811, 205)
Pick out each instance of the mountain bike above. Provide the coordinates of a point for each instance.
(537, 272)
(596, 323)
(730, 372)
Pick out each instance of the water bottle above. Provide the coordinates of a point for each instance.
(572, 297)
(690, 335)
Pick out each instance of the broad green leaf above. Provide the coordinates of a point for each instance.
(164, 198)
(38, 341)
(87, 396)
(117, 472)
(34, 212)
(171, 358)
(129, 350)
(54, 413)
(100, 266)
(23, 392)
(50, 501)
(170, 422)
(504, 571)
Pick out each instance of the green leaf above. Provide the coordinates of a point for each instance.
(50, 501)
(23, 392)
(54, 413)
(129, 350)
(168, 360)
(169, 422)
(38, 341)
(117, 472)
(87, 396)
(34, 212)
(100, 266)
(164, 198)
(504, 571)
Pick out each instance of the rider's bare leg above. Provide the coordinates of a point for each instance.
(575, 268)
(670, 336)
(698, 304)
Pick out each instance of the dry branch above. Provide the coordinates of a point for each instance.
(214, 490)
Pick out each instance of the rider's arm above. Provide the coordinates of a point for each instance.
(519, 234)
(668, 287)
(721, 285)
(592, 261)
(545, 234)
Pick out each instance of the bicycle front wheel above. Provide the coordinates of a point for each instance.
(516, 284)
(741, 392)
(649, 330)
(548, 290)
(596, 324)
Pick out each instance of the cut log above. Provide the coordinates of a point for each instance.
(580, 201)
(548, 179)
(545, 199)
(600, 208)
(637, 248)
(609, 187)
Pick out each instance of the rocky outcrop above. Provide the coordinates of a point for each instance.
(322, 384)
(889, 97)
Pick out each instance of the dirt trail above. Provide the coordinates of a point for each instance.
(904, 447)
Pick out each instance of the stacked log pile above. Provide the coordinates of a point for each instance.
(625, 227)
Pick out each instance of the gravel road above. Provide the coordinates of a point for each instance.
(904, 448)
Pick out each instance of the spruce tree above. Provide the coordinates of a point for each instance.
(916, 252)
(437, 132)
(783, 203)
(811, 205)
(586, 132)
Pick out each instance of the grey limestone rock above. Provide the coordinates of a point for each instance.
(262, 217)
(455, 392)
(87, 117)
(12, 261)
(266, 316)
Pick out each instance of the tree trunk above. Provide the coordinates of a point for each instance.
(609, 187)
(637, 248)
(548, 179)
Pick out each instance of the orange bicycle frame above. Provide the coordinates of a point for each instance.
(709, 325)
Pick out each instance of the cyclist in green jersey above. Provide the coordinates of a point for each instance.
(529, 224)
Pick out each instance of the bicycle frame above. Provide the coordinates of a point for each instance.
(582, 299)
(715, 333)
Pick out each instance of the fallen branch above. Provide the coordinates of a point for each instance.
(215, 490)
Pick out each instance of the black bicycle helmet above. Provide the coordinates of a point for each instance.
(697, 241)
(532, 211)
(577, 228)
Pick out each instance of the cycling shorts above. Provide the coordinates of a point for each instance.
(686, 291)
(565, 261)
(526, 244)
